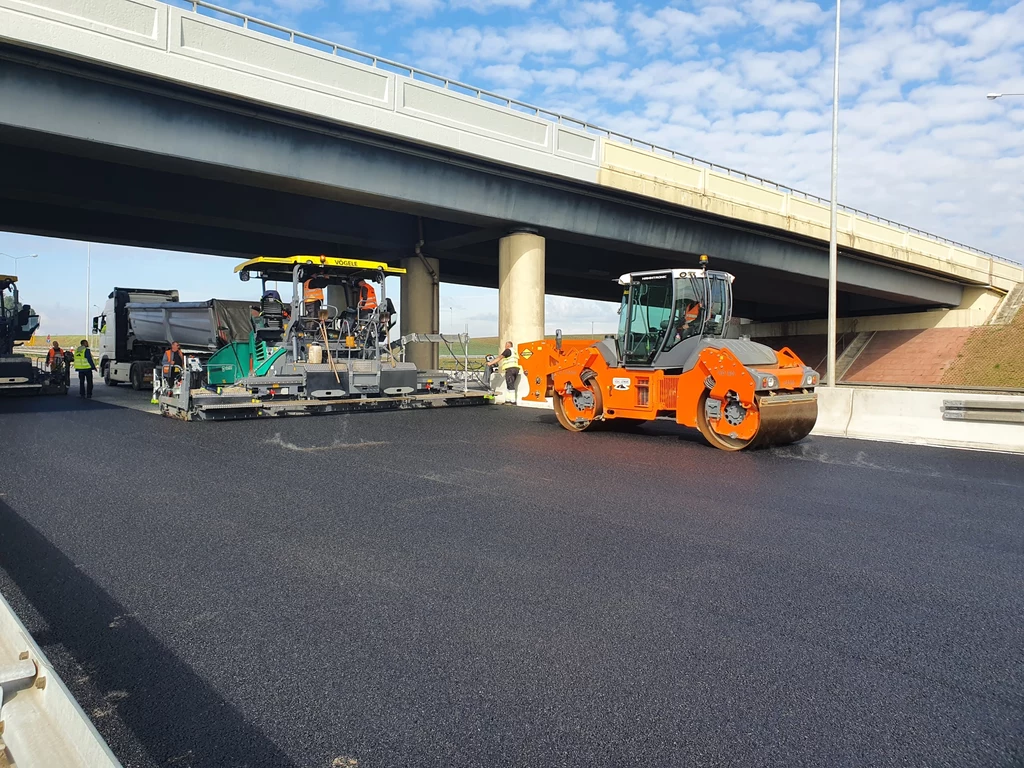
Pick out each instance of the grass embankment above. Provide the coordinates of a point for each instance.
(65, 340)
(992, 356)
(488, 345)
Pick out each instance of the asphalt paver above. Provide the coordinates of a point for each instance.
(479, 587)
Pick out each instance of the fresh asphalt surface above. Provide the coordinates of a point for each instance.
(478, 587)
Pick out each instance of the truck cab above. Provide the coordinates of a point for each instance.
(121, 357)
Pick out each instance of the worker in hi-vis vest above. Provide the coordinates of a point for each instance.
(508, 363)
(85, 366)
(173, 363)
(312, 299)
(367, 297)
(689, 325)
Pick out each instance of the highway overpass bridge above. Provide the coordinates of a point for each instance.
(141, 123)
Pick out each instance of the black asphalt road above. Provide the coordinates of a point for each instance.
(478, 587)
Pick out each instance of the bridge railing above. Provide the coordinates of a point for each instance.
(246, 21)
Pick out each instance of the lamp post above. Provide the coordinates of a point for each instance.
(88, 279)
(16, 259)
(994, 96)
(451, 318)
(833, 257)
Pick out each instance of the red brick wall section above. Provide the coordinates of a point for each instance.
(908, 357)
(811, 349)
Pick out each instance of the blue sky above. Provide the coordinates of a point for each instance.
(745, 83)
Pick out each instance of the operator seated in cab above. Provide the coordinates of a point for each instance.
(312, 298)
(367, 297)
(687, 321)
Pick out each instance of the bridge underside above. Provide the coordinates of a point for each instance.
(96, 155)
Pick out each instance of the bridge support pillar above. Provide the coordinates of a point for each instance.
(520, 292)
(419, 311)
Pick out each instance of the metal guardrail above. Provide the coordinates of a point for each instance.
(41, 724)
(993, 411)
(379, 62)
(947, 388)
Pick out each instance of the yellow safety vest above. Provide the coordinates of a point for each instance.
(81, 363)
(512, 361)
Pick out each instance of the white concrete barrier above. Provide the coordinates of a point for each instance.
(912, 416)
(43, 725)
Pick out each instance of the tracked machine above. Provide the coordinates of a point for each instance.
(308, 356)
(671, 359)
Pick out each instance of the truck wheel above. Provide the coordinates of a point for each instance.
(136, 377)
(106, 376)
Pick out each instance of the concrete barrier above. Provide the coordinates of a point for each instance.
(913, 416)
(43, 725)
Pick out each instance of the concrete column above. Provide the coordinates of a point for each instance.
(419, 311)
(520, 293)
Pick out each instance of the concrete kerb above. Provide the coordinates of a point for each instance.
(902, 416)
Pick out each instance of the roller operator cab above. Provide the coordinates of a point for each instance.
(671, 358)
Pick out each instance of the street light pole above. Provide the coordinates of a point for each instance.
(88, 279)
(16, 259)
(994, 96)
(833, 256)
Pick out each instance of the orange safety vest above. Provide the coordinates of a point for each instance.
(692, 313)
(52, 354)
(169, 361)
(367, 296)
(311, 294)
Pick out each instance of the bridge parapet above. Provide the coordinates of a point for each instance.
(229, 53)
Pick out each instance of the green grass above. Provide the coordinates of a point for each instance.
(488, 345)
(65, 340)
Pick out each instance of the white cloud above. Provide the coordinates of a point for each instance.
(489, 6)
(411, 9)
(783, 18)
(678, 30)
(581, 14)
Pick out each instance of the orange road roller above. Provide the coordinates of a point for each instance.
(671, 359)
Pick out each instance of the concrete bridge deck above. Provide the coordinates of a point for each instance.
(137, 122)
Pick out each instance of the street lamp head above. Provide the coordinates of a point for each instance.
(993, 96)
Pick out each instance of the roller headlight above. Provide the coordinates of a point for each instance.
(811, 379)
(768, 381)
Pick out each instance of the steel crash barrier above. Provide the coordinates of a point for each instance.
(41, 724)
(993, 411)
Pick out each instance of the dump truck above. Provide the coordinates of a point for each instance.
(20, 374)
(331, 354)
(137, 326)
(671, 358)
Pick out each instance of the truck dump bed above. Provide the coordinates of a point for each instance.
(194, 325)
